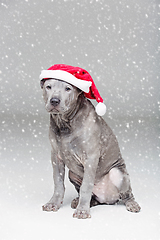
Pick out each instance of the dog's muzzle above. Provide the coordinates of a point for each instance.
(54, 102)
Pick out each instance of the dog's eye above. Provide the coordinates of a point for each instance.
(68, 89)
(48, 87)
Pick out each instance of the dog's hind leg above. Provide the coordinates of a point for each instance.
(125, 190)
(76, 181)
(115, 186)
(93, 202)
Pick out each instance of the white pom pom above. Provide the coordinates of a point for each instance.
(101, 109)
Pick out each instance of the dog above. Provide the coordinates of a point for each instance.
(82, 140)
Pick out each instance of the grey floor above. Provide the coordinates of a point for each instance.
(26, 184)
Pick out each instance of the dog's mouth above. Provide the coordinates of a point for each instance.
(54, 111)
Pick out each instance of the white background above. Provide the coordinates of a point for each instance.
(117, 42)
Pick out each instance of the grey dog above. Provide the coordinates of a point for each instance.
(81, 140)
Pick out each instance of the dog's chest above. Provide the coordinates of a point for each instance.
(72, 151)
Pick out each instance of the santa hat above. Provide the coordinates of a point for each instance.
(79, 78)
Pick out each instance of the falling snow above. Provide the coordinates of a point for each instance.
(118, 43)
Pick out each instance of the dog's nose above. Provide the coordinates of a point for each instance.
(54, 101)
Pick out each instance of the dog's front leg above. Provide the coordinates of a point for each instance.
(59, 189)
(83, 209)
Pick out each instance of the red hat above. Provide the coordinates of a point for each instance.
(79, 78)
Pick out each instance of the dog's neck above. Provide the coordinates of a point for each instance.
(62, 122)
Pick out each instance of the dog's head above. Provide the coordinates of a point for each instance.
(59, 96)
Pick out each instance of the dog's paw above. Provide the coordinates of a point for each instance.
(81, 214)
(133, 206)
(50, 207)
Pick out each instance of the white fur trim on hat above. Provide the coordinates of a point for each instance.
(101, 109)
(67, 77)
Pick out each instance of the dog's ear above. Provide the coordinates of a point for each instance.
(79, 91)
(42, 83)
